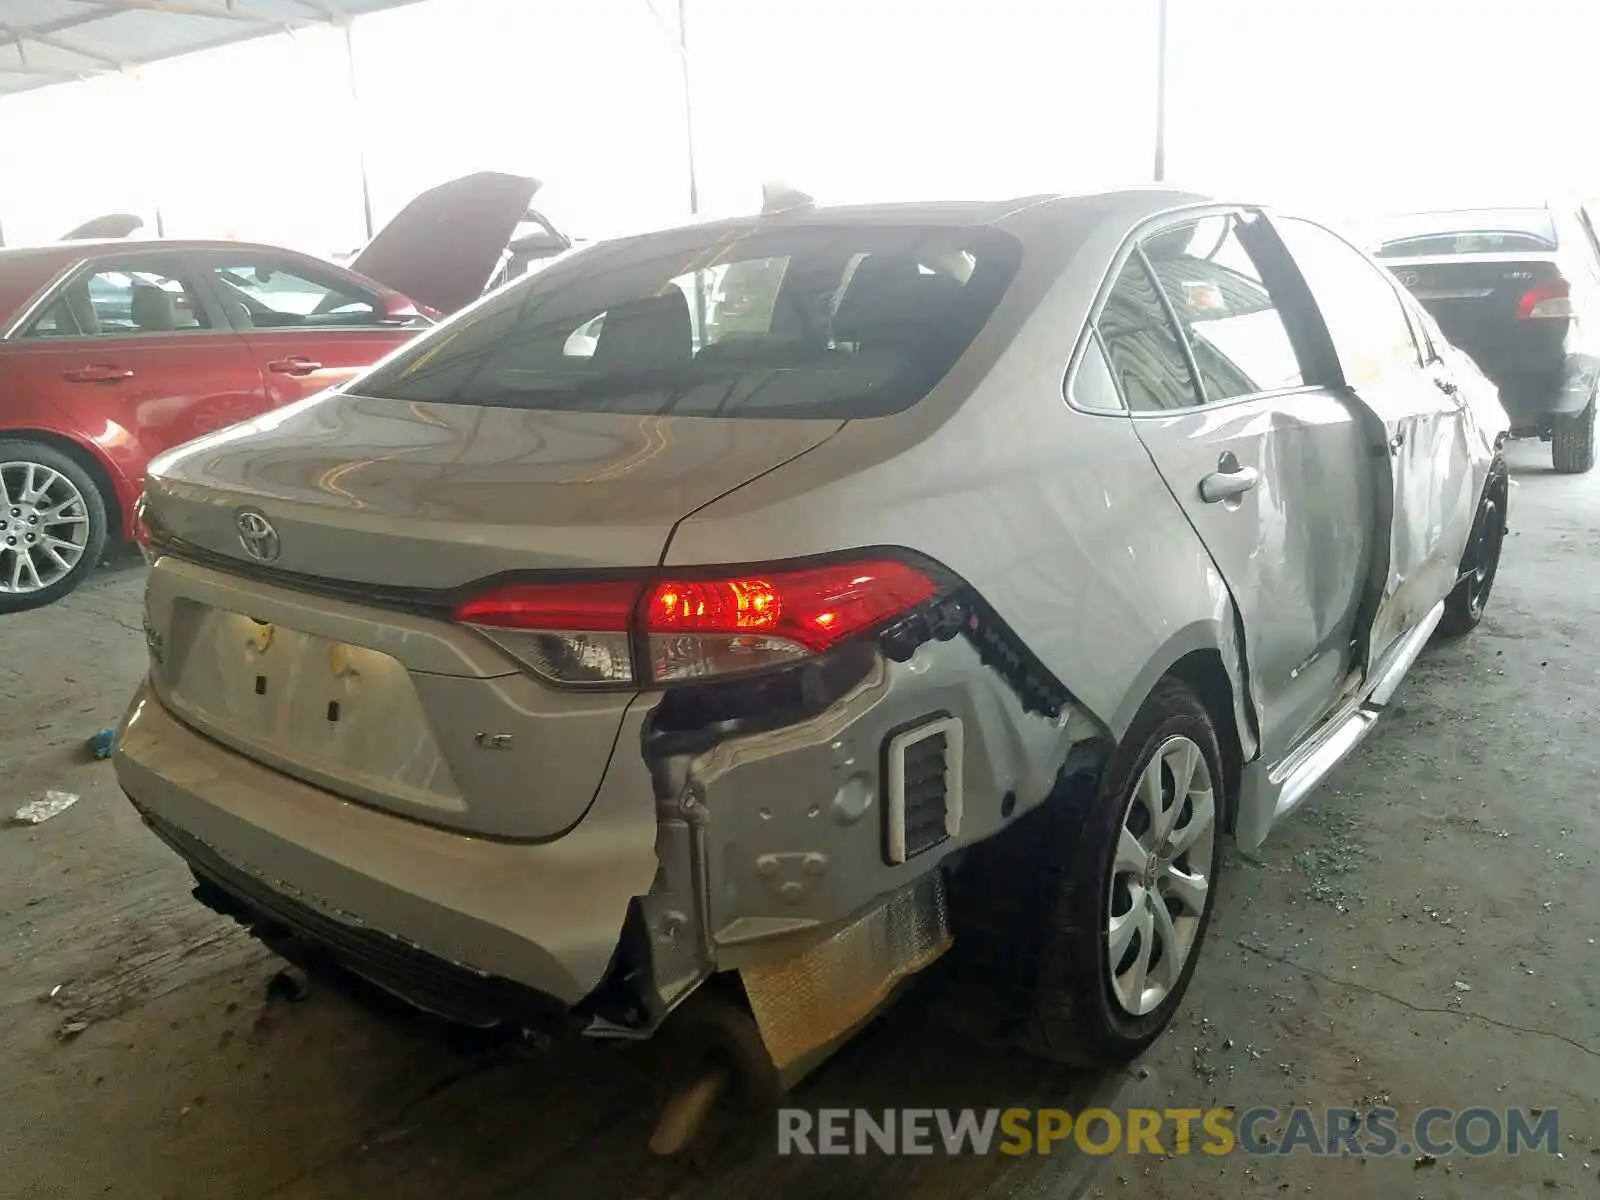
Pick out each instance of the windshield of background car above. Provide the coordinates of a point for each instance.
(829, 322)
(1475, 231)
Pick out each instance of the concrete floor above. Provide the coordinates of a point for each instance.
(1459, 844)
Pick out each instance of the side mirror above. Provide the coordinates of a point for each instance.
(540, 245)
(544, 241)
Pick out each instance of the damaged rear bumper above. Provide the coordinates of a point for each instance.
(547, 916)
(808, 858)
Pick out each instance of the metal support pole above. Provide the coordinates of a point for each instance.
(142, 103)
(688, 104)
(1161, 90)
(700, 311)
(361, 140)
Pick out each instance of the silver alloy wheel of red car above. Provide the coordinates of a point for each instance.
(44, 526)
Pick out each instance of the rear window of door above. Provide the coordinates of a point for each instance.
(1359, 302)
(126, 298)
(1240, 343)
(1145, 349)
(1191, 321)
(838, 322)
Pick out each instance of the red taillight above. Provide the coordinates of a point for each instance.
(702, 628)
(816, 607)
(569, 632)
(1552, 298)
(693, 628)
(592, 607)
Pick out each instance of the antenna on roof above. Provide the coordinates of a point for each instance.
(781, 198)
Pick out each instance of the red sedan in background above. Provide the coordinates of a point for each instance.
(114, 351)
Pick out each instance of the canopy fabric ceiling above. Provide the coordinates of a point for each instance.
(44, 42)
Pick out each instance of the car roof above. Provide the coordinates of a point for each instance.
(65, 252)
(25, 270)
(1131, 205)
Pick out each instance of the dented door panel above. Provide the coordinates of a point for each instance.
(1294, 549)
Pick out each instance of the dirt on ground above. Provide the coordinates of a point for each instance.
(1422, 933)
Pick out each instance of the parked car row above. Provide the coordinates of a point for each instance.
(113, 351)
(588, 663)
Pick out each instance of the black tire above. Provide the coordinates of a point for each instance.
(13, 453)
(1035, 903)
(1572, 442)
(1465, 605)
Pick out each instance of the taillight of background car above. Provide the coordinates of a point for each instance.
(639, 631)
(1550, 298)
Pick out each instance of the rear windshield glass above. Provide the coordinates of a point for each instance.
(1484, 231)
(837, 322)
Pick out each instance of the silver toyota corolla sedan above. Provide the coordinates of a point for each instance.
(738, 617)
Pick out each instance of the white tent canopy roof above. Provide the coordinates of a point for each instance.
(43, 42)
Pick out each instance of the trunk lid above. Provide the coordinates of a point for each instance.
(335, 660)
(406, 495)
(1475, 298)
(442, 248)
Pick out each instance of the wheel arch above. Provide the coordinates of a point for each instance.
(1203, 673)
(102, 473)
(1203, 657)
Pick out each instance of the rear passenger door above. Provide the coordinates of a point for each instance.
(1271, 469)
(1429, 487)
(309, 327)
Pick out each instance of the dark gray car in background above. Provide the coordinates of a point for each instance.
(1519, 290)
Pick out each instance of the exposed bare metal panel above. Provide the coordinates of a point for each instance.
(806, 1003)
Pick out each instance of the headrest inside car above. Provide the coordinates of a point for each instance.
(892, 298)
(640, 334)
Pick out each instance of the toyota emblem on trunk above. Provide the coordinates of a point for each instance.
(257, 535)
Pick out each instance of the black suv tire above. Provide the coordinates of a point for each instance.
(1572, 441)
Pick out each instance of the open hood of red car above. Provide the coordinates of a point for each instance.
(443, 247)
(111, 225)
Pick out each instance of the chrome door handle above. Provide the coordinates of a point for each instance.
(294, 365)
(1228, 485)
(97, 374)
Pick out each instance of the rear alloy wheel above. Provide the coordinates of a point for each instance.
(1465, 605)
(1160, 876)
(1572, 441)
(1087, 916)
(52, 525)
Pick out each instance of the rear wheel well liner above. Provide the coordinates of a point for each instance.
(1203, 673)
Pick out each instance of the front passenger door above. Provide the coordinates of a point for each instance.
(309, 327)
(1430, 489)
(1270, 469)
